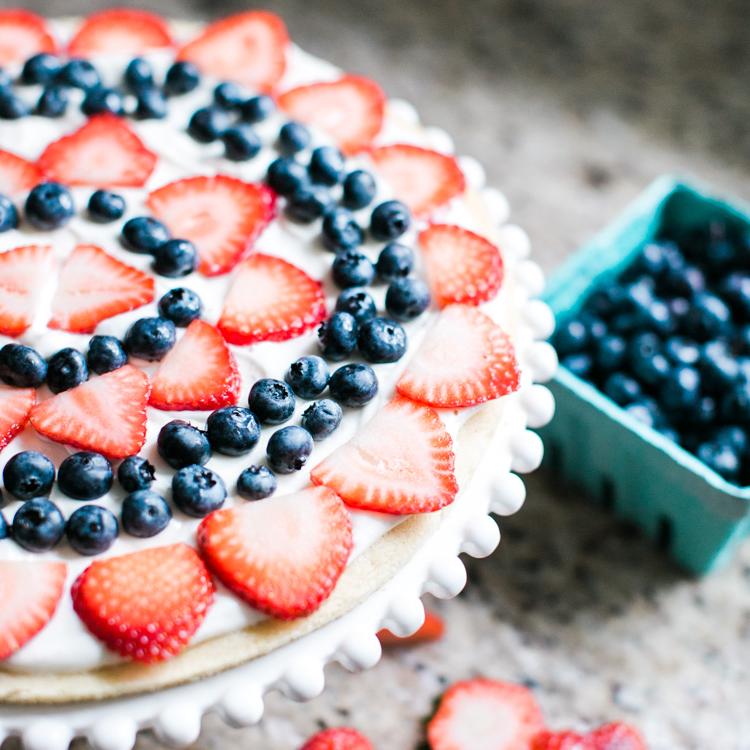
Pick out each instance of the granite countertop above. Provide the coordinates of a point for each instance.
(573, 107)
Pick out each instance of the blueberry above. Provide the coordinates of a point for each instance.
(735, 405)
(207, 124)
(181, 306)
(389, 220)
(359, 189)
(621, 388)
(8, 214)
(721, 458)
(105, 354)
(704, 413)
(734, 436)
(679, 308)
(288, 449)
(79, 74)
(651, 261)
(357, 302)
(257, 108)
(151, 104)
(180, 444)
(407, 298)
(241, 143)
(91, 530)
(606, 302)
(641, 412)
(658, 317)
(66, 369)
(341, 231)
(571, 337)
(580, 364)
(382, 340)
(12, 107)
(682, 351)
(4, 529)
(38, 525)
(29, 474)
(326, 165)
(105, 206)
(609, 352)
(229, 95)
(293, 138)
(352, 268)
(395, 261)
(272, 401)
(308, 203)
(22, 366)
(143, 234)
(182, 77)
(136, 473)
(686, 282)
(353, 385)
(735, 290)
(145, 514)
(647, 361)
(197, 491)
(102, 100)
(85, 476)
(52, 102)
(138, 75)
(708, 317)
(175, 258)
(308, 376)
(150, 338)
(742, 340)
(286, 176)
(322, 418)
(232, 430)
(256, 483)
(40, 68)
(681, 392)
(49, 205)
(337, 336)
(719, 368)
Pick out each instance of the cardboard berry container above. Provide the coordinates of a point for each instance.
(691, 511)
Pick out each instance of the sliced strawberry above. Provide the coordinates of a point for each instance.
(104, 152)
(339, 738)
(283, 556)
(23, 34)
(106, 414)
(199, 373)
(93, 287)
(30, 593)
(432, 630)
(485, 715)
(220, 215)
(400, 462)
(423, 179)
(15, 408)
(350, 109)
(249, 48)
(20, 271)
(146, 605)
(16, 174)
(615, 736)
(461, 266)
(120, 31)
(270, 300)
(464, 359)
(566, 740)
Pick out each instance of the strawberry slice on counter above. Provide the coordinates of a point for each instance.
(270, 300)
(106, 414)
(350, 109)
(20, 271)
(483, 714)
(121, 31)
(615, 736)
(17, 175)
(423, 179)
(15, 408)
(400, 462)
(198, 373)
(461, 266)
(283, 555)
(463, 360)
(338, 738)
(30, 593)
(249, 48)
(222, 216)
(146, 605)
(104, 152)
(23, 34)
(432, 630)
(95, 286)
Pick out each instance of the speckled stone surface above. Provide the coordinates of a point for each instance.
(573, 107)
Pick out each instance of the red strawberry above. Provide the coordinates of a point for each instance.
(199, 373)
(461, 266)
(282, 556)
(220, 215)
(93, 287)
(400, 462)
(23, 34)
(249, 48)
(30, 593)
(340, 738)
(464, 359)
(615, 736)
(147, 605)
(20, 271)
(567, 740)
(270, 300)
(16, 174)
(432, 630)
(104, 152)
(423, 179)
(122, 31)
(350, 109)
(15, 407)
(485, 715)
(106, 414)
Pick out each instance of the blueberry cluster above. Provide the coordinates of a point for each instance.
(172, 257)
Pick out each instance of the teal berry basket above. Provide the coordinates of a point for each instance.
(690, 510)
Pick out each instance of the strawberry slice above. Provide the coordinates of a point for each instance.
(282, 556)
(615, 736)
(106, 414)
(461, 266)
(423, 179)
(198, 373)
(400, 462)
(120, 31)
(270, 300)
(485, 715)
(338, 738)
(16, 174)
(30, 593)
(104, 152)
(146, 605)
(432, 630)
(220, 215)
(249, 48)
(23, 34)
(566, 740)
(350, 109)
(20, 271)
(15, 407)
(464, 359)
(93, 287)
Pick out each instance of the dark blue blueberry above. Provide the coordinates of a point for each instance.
(272, 401)
(606, 302)
(180, 444)
(105, 354)
(708, 317)
(721, 458)
(641, 412)
(685, 283)
(175, 258)
(29, 474)
(735, 290)
(357, 302)
(257, 108)
(326, 165)
(49, 205)
(241, 143)
(138, 75)
(181, 306)
(734, 436)
(4, 529)
(40, 68)
(705, 413)
(150, 338)
(407, 298)
(136, 473)
(337, 336)
(105, 206)
(143, 234)
(650, 261)
(85, 476)
(8, 214)
(742, 340)
(681, 392)
(66, 369)
(352, 268)
(622, 389)
(232, 430)
(197, 491)
(256, 483)
(735, 405)
(91, 530)
(207, 124)
(341, 231)
(381, 340)
(12, 107)
(22, 366)
(395, 261)
(308, 203)
(151, 104)
(353, 385)
(682, 351)
(229, 95)
(609, 352)
(52, 102)
(596, 327)
(79, 74)
(145, 514)
(389, 220)
(321, 418)
(308, 376)
(658, 317)
(679, 308)
(293, 138)
(570, 337)
(38, 525)
(359, 189)
(580, 364)
(102, 100)
(718, 366)
(647, 361)
(712, 245)
(182, 77)
(286, 176)
(288, 449)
